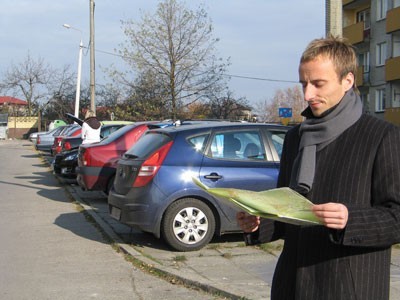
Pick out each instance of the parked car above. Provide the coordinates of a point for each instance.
(97, 162)
(72, 131)
(33, 136)
(64, 164)
(44, 141)
(153, 188)
(66, 161)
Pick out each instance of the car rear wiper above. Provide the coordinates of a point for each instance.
(127, 155)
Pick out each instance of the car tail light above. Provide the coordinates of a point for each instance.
(85, 156)
(38, 139)
(151, 166)
(57, 141)
(67, 146)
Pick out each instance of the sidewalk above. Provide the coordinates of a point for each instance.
(230, 269)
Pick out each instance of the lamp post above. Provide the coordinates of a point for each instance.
(92, 58)
(78, 79)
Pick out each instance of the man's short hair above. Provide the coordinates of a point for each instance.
(337, 49)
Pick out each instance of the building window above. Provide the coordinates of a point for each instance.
(363, 60)
(365, 101)
(395, 45)
(380, 100)
(364, 16)
(380, 54)
(381, 9)
(396, 98)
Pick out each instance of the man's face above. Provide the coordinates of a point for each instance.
(321, 86)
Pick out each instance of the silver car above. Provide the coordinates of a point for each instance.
(44, 141)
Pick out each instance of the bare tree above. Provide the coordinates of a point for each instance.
(28, 80)
(177, 46)
(227, 106)
(268, 110)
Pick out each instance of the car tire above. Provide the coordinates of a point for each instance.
(188, 224)
(110, 184)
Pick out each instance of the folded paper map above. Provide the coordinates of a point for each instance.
(281, 204)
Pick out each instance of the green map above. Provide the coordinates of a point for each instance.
(281, 204)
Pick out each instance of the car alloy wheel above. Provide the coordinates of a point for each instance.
(188, 224)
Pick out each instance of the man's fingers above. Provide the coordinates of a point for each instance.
(333, 215)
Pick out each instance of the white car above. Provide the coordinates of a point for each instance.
(33, 136)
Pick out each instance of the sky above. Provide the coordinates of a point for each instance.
(263, 38)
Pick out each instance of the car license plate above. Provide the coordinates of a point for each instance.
(116, 213)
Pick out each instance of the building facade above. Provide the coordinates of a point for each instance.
(373, 27)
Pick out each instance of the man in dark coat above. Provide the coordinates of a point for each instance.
(348, 164)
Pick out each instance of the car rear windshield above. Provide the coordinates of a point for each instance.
(147, 144)
(116, 134)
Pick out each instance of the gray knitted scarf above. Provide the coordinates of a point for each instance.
(317, 133)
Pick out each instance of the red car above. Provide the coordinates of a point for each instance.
(97, 162)
(73, 130)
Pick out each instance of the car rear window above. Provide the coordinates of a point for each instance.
(116, 134)
(106, 130)
(198, 142)
(147, 144)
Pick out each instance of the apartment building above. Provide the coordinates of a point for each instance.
(373, 27)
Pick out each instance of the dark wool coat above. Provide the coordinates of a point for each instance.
(360, 169)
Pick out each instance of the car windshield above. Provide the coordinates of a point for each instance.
(147, 144)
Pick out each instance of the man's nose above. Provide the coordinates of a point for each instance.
(309, 92)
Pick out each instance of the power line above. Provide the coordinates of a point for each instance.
(258, 78)
(228, 75)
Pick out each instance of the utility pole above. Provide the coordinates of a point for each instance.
(92, 60)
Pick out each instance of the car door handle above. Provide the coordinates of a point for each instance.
(213, 176)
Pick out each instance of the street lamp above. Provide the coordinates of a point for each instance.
(92, 59)
(78, 79)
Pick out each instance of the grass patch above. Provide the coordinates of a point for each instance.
(227, 255)
(213, 246)
(180, 258)
(272, 247)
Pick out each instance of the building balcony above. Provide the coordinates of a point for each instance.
(392, 69)
(345, 2)
(393, 20)
(354, 33)
(351, 4)
(392, 115)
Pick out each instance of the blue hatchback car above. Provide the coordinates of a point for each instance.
(154, 191)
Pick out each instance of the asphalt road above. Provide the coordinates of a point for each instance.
(48, 248)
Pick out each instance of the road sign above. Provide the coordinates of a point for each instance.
(285, 112)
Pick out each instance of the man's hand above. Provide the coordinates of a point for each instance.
(333, 215)
(247, 222)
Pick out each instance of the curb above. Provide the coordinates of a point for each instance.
(138, 256)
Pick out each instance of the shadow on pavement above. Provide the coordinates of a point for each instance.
(141, 239)
(40, 178)
(77, 224)
(30, 156)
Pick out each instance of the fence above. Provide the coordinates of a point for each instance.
(21, 127)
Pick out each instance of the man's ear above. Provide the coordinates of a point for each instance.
(348, 81)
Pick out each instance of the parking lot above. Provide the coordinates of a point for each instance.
(51, 237)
